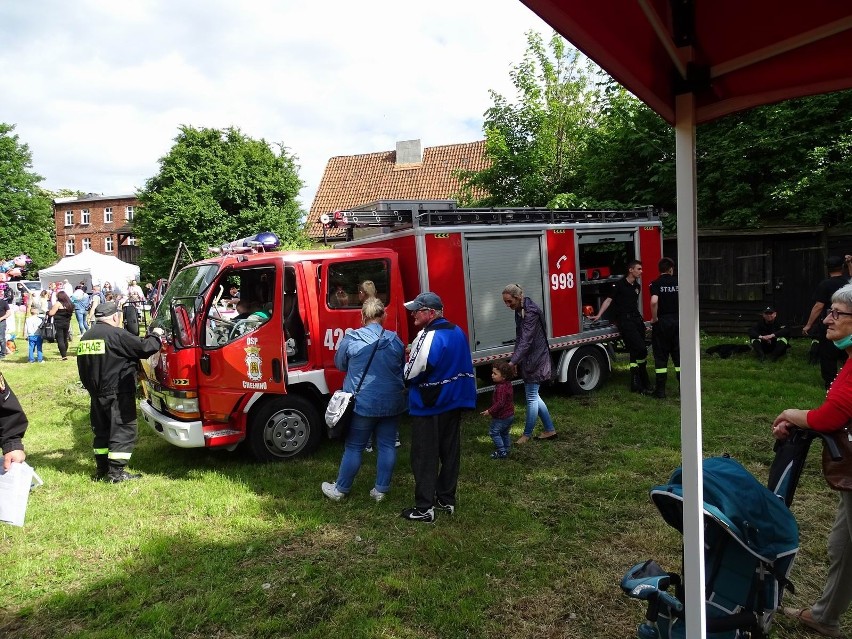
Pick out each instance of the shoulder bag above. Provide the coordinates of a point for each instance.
(341, 406)
(837, 459)
(47, 330)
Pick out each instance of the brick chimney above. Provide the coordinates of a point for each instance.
(409, 152)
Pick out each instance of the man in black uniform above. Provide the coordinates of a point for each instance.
(107, 362)
(664, 325)
(829, 355)
(624, 299)
(769, 336)
(13, 424)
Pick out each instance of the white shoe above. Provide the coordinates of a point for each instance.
(375, 494)
(330, 491)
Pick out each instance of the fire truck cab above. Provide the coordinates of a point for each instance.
(259, 366)
(250, 334)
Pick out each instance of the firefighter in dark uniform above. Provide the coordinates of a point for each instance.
(13, 424)
(107, 359)
(769, 337)
(664, 325)
(624, 300)
(829, 355)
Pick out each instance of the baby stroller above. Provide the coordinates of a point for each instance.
(750, 541)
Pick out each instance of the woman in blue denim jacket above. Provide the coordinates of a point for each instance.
(379, 403)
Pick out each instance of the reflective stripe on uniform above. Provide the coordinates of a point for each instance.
(101, 451)
(119, 455)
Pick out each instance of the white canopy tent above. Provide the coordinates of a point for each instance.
(92, 268)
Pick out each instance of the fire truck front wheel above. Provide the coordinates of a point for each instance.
(588, 370)
(283, 428)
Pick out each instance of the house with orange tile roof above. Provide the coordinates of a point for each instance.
(408, 173)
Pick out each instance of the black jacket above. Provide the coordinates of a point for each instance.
(107, 357)
(13, 422)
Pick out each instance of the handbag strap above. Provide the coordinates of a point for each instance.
(369, 361)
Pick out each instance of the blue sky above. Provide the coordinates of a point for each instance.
(98, 88)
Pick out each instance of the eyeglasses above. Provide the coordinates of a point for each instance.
(835, 314)
(420, 310)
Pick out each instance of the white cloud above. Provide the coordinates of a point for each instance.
(98, 89)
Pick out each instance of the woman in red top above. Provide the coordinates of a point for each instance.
(834, 413)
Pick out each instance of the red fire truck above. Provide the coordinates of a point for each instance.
(260, 368)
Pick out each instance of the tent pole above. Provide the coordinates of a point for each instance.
(690, 377)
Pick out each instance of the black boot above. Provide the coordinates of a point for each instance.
(635, 383)
(118, 473)
(660, 390)
(642, 372)
(102, 468)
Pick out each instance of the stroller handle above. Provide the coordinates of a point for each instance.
(648, 581)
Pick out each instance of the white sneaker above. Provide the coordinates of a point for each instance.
(330, 491)
(375, 494)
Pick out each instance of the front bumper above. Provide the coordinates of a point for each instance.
(179, 433)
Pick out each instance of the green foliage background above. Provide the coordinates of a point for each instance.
(574, 138)
(26, 212)
(216, 186)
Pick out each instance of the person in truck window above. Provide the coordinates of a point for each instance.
(338, 297)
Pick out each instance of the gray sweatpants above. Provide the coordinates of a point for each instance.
(837, 595)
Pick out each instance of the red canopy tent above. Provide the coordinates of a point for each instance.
(693, 61)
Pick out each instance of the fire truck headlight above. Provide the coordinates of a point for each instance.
(185, 407)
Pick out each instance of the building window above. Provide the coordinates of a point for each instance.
(69, 247)
(87, 243)
(69, 218)
(85, 218)
(108, 244)
(131, 241)
(131, 211)
(108, 214)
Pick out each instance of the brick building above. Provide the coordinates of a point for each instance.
(409, 173)
(102, 223)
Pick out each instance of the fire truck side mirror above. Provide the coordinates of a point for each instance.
(181, 327)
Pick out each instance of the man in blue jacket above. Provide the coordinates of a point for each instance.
(439, 374)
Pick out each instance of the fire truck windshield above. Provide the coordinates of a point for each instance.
(189, 283)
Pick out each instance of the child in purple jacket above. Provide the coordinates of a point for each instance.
(502, 409)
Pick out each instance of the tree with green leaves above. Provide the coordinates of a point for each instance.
(535, 144)
(216, 186)
(26, 212)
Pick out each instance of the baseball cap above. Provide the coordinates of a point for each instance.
(425, 300)
(768, 310)
(105, 309)
(834, 261)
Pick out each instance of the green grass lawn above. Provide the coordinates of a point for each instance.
(209, 544)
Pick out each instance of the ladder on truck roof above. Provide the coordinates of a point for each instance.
(411, 213)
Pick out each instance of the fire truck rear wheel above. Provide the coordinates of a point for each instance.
(284, 428)
(588, 370)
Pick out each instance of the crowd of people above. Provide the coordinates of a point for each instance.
(58, 305)
(433, 380)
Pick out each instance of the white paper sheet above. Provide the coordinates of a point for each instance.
(15, 485)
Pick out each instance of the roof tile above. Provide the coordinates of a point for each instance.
(352, 180)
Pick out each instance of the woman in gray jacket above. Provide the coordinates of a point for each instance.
(533, 355)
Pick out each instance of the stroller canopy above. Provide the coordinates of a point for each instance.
(748, 511)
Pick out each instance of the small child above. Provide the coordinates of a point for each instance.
(33, 336)
(502, 409)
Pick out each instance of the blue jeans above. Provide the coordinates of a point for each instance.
(81, 320)
(536, 408)
(35, 342)
(499, 431)
(360, 431)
